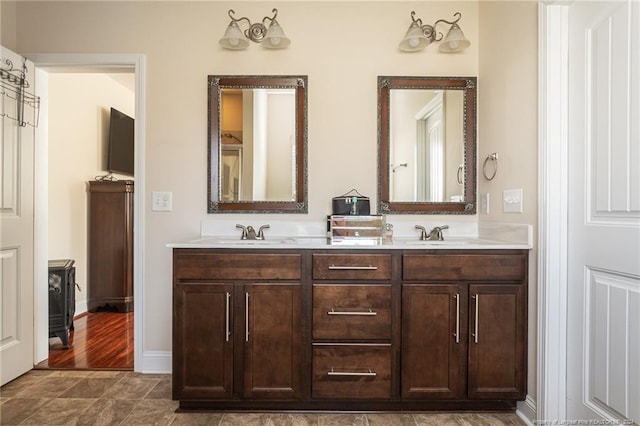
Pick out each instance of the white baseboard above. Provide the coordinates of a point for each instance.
(81, 307)
(526, 410)
(155, 362)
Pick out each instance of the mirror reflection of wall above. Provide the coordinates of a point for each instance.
(427, 145)
(258, 144)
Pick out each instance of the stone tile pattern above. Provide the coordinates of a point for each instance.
(52, 397)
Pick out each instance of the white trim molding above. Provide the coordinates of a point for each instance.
(527, 410)
(156, 362)
(552, 209)
(102, 61)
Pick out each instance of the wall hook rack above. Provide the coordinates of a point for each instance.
(13, 85)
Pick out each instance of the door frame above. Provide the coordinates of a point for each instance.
(137, 62)
(553, 180)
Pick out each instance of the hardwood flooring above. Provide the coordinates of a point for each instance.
(100, 340)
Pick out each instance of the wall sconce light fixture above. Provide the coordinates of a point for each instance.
(272, 38)
(419, 36)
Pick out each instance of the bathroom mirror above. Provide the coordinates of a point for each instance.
(427, 145)
(257, 144)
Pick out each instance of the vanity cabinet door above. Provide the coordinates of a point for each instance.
(202, 341)
(272, 340)
(434, 343)
(497, 341)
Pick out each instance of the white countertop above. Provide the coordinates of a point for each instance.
(222, 234)
(310, 242)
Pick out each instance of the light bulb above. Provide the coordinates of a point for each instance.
(454, 45)
(413, 42)
(234, 41)
(275, 41)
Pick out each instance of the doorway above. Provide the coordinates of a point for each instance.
(122, 70)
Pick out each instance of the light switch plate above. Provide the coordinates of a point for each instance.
(512, 201)
(161, 201)
(484, 203)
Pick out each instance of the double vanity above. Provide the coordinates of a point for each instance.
(297, 323)
(307, 322)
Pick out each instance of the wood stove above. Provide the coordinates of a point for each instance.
(62, 299)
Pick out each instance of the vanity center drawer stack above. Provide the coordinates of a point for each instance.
(352, 327)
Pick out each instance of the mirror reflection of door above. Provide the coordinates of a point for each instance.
(426, 140)
(231, 171)
(430, 151)
(257, 161)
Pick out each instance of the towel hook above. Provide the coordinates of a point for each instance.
(493, 158)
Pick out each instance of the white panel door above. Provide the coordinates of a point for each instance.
(603, 329)
(16, 238)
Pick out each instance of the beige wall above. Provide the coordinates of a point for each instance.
(8, 25)
(358, 42)
(508, 117)
(79, 106)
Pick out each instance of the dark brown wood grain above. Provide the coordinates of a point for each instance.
(433, 362)
(324, 266)
(346, 301)
(479, 266)
(110, 253)
(359, 359)
(497, 362)
(194, 264)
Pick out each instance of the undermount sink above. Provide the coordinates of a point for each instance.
(232, 241)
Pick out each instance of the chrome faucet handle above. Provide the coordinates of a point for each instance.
(436, 233)
(244, 231)
(261, 233)
(423, 232)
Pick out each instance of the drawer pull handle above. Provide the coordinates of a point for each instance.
(352, 268)
(368, 373)
(368, 313)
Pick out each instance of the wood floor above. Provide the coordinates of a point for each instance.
(100, 340)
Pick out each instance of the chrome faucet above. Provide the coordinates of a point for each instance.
(249, 232)
(434, 235)
(261, 233)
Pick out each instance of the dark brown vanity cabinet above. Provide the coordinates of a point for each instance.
(349, 329)
(236, 326)
(464, 326)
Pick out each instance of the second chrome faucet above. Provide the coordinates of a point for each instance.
(249, 232)
(434, 235)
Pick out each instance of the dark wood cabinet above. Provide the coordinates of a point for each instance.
(272, 347)
(464, 328)
(349, 329)
(235, 338)
(497, 341)
(110, 254)
(434, 343)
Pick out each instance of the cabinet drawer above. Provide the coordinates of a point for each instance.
(352, 266)
(351, 371)
(464, 267)
(236, 266)
(351, 311)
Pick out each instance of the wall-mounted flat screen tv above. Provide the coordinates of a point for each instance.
(121, 148)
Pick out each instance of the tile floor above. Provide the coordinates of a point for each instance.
(55, 397)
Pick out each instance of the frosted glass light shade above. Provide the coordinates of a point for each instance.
(275, 38)
(233, 38)
(414, 39)
(455, 41)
